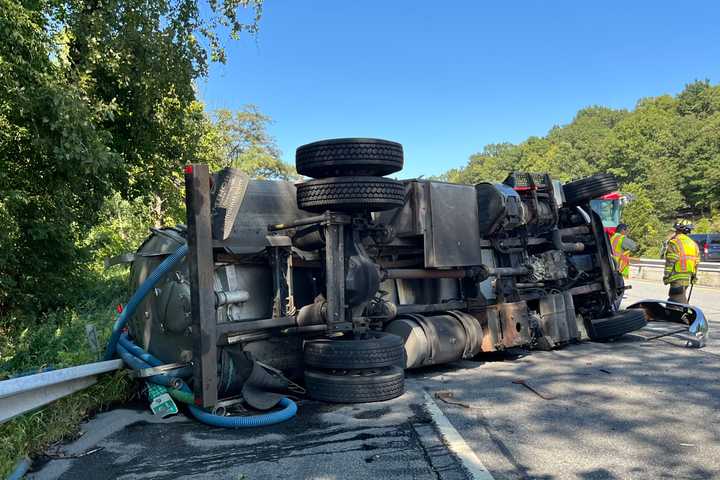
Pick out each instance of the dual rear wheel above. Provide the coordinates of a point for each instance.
(348, 175)
(355, 370)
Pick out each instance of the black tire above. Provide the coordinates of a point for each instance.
(349, 156)
(584, 190)
(624, 321)
(379, 350)
(350, 194)
(355, 386)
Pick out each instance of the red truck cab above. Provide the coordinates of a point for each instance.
(609, 207)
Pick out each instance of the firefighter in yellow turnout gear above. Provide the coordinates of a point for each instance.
(622, 245)
(681, 260)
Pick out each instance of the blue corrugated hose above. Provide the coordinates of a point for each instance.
(137, 358)
(20, 469)
(138, 296)
(289, 407)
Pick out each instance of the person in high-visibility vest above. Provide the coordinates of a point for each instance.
(622, 245)
(681, 260)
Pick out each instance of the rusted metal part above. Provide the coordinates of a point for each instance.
(667, 311)
(537, 392)
(447, 397)
(515, 324)
(492, 334)
(504, 325)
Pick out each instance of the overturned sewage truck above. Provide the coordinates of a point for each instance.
(343, 281)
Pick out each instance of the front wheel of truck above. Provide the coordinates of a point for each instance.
(617, 325)
(586, 189)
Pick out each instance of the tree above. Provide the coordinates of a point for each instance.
(55, 163)
(142, 58)
(95, 97)
(241, 140)
(224, 139)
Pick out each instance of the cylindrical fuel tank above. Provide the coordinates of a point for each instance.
(433, 339)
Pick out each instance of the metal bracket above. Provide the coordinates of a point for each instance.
(221, 406)
(201, 265)
(175, 369)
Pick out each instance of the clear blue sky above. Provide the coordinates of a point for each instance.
(446, 78)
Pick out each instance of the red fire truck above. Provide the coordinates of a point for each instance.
(609, 207)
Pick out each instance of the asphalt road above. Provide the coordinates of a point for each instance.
(628, 409)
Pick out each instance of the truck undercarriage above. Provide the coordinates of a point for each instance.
(346, 280)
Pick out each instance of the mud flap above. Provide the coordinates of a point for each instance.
(667, 311)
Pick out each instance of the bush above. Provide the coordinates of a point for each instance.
(644, 226)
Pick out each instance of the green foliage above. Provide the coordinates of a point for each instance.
(644, 225)
(666, 152)
(241, 140)
(123, 225)
(98, 115)
(143, 59)
(710, 224)
(96, 98)
(58, 340)
(54, 164)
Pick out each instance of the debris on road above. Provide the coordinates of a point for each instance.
(534, 390)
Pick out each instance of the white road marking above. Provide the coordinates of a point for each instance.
(456, 443)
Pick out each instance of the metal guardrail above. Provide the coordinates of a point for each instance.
(660, 263)
(23, 394)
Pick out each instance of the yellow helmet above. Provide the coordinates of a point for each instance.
(683, 225)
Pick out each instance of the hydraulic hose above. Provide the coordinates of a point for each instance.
(138, 296)
(130, 346)
(137, 364)
(289, 410)
(184, 395)
(137, 359)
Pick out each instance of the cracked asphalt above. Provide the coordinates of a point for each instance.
(627, 409)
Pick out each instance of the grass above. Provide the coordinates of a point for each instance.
(58, 340)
